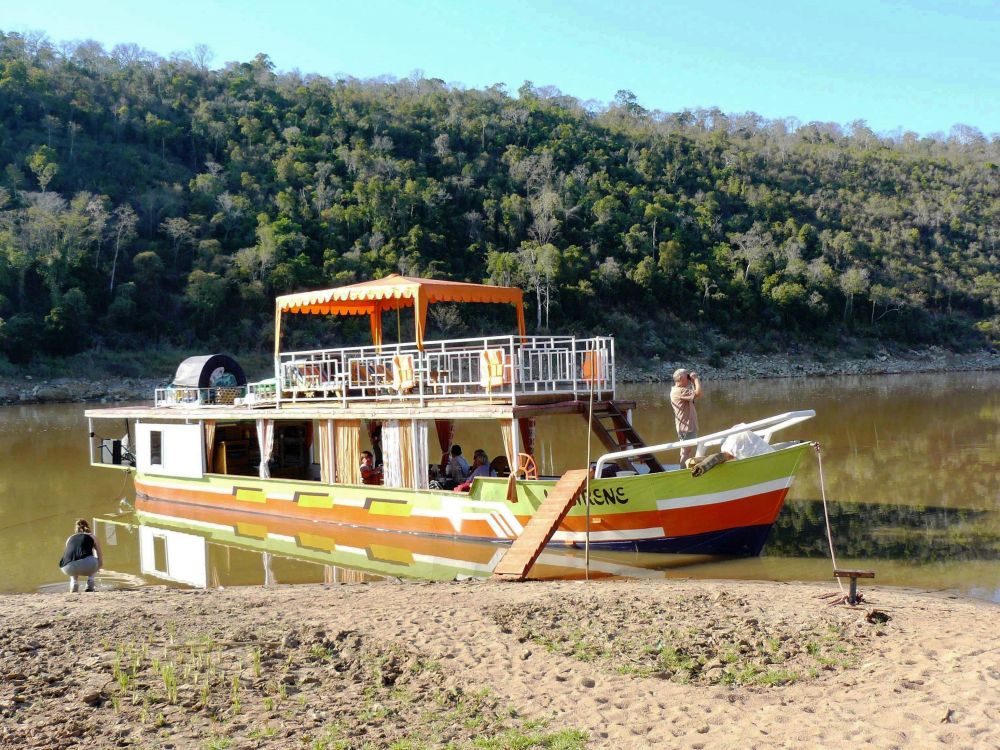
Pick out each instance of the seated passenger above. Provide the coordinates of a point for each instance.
(370, 473)
(480, 468)
(458, 468)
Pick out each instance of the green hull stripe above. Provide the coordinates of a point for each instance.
(610, 496)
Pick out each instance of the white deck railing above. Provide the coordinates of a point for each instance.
(188, 396)
(763, 427)
(494, 367)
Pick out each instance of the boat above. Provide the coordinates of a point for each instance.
(289, 446)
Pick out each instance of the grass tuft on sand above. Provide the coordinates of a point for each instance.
(721, 639)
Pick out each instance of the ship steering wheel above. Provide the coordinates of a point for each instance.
(526, 466)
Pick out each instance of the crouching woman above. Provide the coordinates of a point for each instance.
(82, 557)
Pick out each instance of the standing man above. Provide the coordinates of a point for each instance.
(687, 388)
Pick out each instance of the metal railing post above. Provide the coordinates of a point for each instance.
(277, 381)
(572, 364)
(614, 373)
(420, 372)
(513, 375)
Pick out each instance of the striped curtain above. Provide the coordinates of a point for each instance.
(527, 426)
(405, 460)
(392, 464)
(445, 431)
(421, 462)
(209, 445)
(265, 439)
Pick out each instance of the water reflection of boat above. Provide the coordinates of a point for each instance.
(211, 547)
(290, 446)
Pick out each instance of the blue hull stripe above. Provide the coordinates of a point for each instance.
(746, 541)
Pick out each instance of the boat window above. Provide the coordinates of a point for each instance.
(160, 554)
(236, 450)
(156, 448)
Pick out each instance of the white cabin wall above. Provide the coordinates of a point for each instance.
(182, 450)
(186, 556)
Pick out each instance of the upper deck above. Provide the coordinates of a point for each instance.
(445, 375)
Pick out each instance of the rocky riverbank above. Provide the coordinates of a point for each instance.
(811, 363)
(29, 390)
(737, 366)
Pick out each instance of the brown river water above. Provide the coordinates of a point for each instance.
(911, 466)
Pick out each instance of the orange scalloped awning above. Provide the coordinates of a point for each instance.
(374, 297)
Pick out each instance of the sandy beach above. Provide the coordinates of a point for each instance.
(479, 664)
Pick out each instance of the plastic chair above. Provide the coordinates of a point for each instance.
(402, 373)
(500, 466)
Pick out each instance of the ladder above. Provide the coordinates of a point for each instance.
(614, 430)
(526, 548)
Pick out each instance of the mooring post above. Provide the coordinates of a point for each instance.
(854, 575)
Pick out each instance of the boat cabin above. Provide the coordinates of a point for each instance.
(322, 405)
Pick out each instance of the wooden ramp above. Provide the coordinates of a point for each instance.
(517, 561)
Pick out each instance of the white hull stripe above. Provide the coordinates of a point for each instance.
(462, 564)
(577, 562)
(223, 490)
(693, 501)
(192, 522)
(625, 535)
(169, 485)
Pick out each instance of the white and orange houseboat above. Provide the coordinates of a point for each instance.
(289, 446)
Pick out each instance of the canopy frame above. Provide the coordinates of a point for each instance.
(393, 292)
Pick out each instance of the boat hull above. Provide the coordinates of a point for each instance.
(728, 511)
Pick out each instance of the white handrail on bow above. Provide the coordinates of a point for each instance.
(763, 427)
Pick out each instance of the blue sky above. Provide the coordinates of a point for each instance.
(918, 65)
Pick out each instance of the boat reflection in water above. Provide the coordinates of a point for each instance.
(180, 544)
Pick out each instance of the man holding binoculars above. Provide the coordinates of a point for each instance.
(687, 388)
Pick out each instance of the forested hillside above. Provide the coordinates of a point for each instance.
(147, 201)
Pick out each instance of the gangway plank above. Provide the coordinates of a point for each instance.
(517, 561)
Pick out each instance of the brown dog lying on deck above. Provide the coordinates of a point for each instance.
(706, 464)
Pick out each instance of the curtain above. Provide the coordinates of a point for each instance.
(446, 433)
(509, 449)
(347, 449)
(265, 439)
(405, 459)
(420, 459)
(327, 456)
(209, 445)
(406, 452)
(392, 465)
(507, 433)
(375, 435)
(527, 427)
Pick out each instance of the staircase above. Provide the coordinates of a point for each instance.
(617, 434)
(517, 561)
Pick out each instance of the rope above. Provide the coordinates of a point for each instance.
(826, 514)
(590, 432)
(63, 514)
